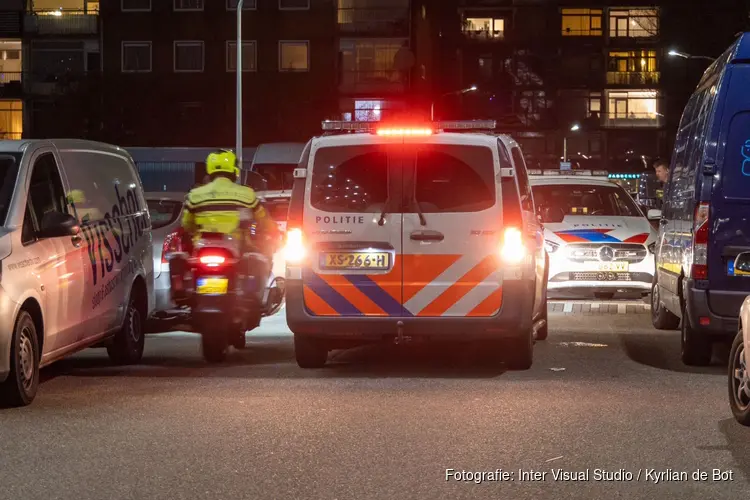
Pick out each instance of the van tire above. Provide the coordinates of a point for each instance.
(214, 347)
(22, 384)
(519, 353)
(309, 352)
(696, 348)
(661, 317)
(127, 346)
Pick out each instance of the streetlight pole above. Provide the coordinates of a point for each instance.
(455, 92)
(676, 53)
(573, 128)
(238, 67)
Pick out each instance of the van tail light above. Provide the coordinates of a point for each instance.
(513, 250)
(699, 270)
(172, 244)
(294, 250)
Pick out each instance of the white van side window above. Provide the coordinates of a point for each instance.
(46, 193)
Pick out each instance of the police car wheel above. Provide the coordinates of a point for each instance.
(309, 352)
(519, 353)
(661, 318)
(739, 381)
(127, 346)
(697, 349)
(21, 386)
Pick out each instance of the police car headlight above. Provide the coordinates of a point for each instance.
(294, 250)
(550, 246)
(513, 250)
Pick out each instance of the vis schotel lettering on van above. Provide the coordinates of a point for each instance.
(107, 239)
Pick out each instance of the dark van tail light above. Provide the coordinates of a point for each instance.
(701, 225)
(172, 244)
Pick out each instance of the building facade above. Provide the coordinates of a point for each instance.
(590, 80)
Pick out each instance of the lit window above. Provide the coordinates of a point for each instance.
(188, 57)
(484, 27)
(136, 57)
(135, 5)
(633, 108)
(633, 23)
(639, 67)
(11, 119)
(595, 104)
(367, 111)
(372, 65)
(582, 22)
(294, 56)
(249, 56)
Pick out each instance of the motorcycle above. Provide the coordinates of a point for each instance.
(224, 291)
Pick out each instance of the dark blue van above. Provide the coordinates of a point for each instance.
(705, 219)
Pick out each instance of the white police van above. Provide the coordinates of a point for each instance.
(75, 256)
(422, 231)
(598, 239)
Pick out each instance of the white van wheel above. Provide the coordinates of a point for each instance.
(21, 386)
(127, 346)
(739, 381)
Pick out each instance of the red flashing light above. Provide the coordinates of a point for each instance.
(398, 132)
(172, 243)
(211, 260)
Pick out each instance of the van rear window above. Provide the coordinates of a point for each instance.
(736, 169)
(455, 179)
(350, 179)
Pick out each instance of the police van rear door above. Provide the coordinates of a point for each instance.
(352, 227)
(452, 228)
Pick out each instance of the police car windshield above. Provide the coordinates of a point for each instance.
(556, 201)
(278, 176)
(8, 176)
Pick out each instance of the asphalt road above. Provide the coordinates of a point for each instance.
(606, 392)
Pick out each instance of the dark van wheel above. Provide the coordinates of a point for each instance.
(739, 381)
(697, 349)
(20, 388)
(661, 318)
(127, 346)
(309, 353)
(519, 353)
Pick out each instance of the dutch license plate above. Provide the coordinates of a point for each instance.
(355, 260)
(212, 286)
(614, 266)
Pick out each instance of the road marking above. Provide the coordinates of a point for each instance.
(568, 307)
(621, 309)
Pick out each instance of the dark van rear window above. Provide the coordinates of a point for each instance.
(350, 179)
(455, 179)
(163, 212)
(736, 169)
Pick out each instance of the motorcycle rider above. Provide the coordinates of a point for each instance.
(225, 207)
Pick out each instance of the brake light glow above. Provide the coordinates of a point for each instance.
(172, 243)
(513, 249)
(699, 270)
(212, 260)
(404, 131)
(294, 250)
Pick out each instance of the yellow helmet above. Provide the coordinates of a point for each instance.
(222, 161)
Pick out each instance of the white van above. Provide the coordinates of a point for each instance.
(76, 266)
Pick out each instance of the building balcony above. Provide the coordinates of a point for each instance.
(387, 21)
(484, 35)
(632, 78)
(62, 22)
(373, 82)
(633, 120)
(10, 85)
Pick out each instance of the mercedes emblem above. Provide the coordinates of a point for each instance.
(606, 254)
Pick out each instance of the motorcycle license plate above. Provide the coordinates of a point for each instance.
(355, 260)
(614, 266)
(212, 286)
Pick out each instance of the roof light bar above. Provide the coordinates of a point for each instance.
(345, 126)
(404, 131)
(584, 173)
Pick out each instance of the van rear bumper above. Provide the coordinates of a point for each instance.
(513, 320)
(697, 305)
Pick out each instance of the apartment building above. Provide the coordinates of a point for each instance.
(542, 68)
(11, 92)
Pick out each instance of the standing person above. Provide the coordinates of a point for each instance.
(661, 168)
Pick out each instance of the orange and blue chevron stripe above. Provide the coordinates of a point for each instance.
(417, 285)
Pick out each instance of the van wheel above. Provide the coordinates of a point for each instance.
(127, 346)
(697, 349)
(739, 381)
(310, 353)
(661, 318)
(519, 353)
(20, 388)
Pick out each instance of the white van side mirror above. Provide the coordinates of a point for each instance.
(654, 214)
